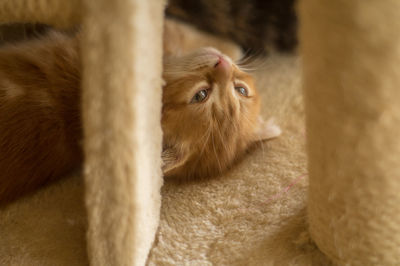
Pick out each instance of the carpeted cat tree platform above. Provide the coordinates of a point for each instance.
(271, 209)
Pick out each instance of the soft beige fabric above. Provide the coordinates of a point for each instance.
(122, 56)
(46, 229)
(351, 55)
(54, 12)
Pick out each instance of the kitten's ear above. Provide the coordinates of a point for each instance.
(266, 129)
(172, 159)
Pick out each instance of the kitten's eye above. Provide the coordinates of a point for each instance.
(242, 90)
(200, 96)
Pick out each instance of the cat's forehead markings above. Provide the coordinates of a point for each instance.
(216, 99)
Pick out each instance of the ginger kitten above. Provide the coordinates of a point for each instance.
(209, 116)
(40, 127)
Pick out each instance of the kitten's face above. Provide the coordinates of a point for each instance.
(210, 114)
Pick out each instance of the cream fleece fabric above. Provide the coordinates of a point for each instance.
(46, 229)
(253, 215)
(53, 12)
(122, 59)
(351, 55)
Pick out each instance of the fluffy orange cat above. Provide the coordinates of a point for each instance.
(210, 113)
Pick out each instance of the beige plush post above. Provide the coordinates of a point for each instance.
(351, 59)
(122, 51)
(54, 12)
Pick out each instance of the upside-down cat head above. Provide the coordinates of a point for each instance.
(210, 114)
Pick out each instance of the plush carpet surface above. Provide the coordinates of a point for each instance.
(253, 215)
(47, 228)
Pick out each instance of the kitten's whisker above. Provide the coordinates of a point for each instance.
(248, 58)
(215, 152)
(205, 142)
(219, 133)
(252, 123)
(252, 62)
(236, 129)
(204, 135)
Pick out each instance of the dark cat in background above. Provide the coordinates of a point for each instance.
(256, 25)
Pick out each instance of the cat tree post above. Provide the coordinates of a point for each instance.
(58, 13)
(121, 104)
(351, 60)
(122, 52)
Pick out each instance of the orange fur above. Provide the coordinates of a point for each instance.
(40, 122)
(39, 113)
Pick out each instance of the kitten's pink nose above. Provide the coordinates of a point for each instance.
(223, 66)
